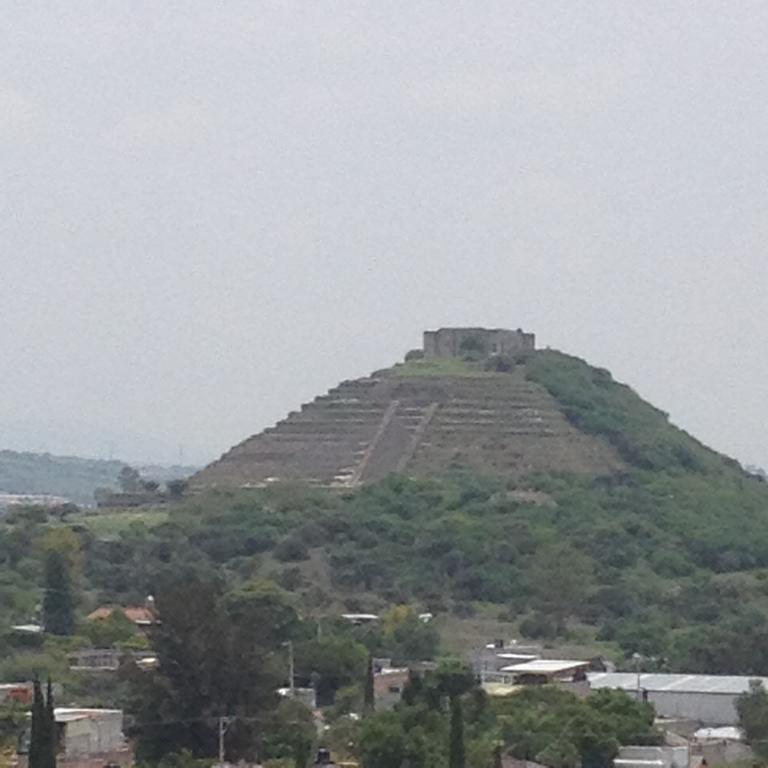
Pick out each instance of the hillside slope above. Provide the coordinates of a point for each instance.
(418, 419)
(665, 553)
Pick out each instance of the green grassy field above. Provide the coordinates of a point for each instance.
(109, 525)
(441, 366)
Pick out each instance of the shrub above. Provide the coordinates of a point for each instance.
(291, 548)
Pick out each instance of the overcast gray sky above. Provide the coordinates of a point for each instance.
(211, 212)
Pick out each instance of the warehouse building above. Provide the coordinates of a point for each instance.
(707, 699)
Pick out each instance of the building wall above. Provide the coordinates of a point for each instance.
(447, 342)
(388, 688)
(706, 708)
(93, 734)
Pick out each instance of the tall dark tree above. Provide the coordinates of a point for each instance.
(42, 743)
(38, 729)
(369, 702)
(129, 480)
(456, 755)
(59, 599)
(219, 655)
(52, 740)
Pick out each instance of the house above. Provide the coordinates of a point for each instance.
(547, 671)
(652, 757)
(706, 699)
(21, 693)
(16, 693)
(388, 685)
(108, 659)
(143, 616)
(89, 738)
(488, 659)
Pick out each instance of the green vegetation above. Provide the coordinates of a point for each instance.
(647, 562)
(597, 404)
(752, 708)
(437, 366)
(444, 719)
(110, 525)
(42, 741)
(667, 559)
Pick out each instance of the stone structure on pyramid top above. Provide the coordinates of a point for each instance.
(455, 342)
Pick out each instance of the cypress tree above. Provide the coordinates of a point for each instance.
(59, 600)
(38, 731)
(51, 744)
(368, 694)
(456, 756)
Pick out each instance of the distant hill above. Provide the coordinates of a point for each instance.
(71, 477)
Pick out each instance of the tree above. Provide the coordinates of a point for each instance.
(36, 757)
(560, 576)
(59, 599)
(752, 708)
(176, 488)
(219, 655)
(129, 480)
(456, 756)
(383, 741)
(369, 699)
(42, 743)
(52, 735)
(61, 573)
(333, 662)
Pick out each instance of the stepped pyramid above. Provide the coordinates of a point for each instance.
(424, 417)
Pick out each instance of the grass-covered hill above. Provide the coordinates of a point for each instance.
(667, 556)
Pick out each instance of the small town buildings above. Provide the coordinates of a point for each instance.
(16, 693)
(706, 699)
(21, 693)
(488, 660)
(89, 732)
(108, 659)
(89, 738)
(543, 671)
(143, 616)
(388, 686)
(652, 757)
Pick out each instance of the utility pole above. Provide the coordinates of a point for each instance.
(223, 725)
(291, 667)
(637, 658)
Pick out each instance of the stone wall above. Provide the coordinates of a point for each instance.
(455, 342)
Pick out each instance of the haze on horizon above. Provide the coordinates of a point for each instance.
(213, 212)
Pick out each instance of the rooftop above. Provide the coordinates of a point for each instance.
(138, 614)
(546, 666)
(69, 715)
(726, 684)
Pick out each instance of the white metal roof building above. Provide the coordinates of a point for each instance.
(708, 699)
(546, 667)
